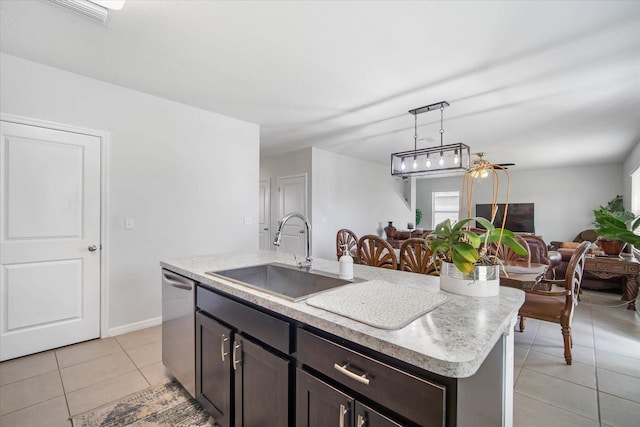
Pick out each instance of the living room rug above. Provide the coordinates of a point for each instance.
(162, 405)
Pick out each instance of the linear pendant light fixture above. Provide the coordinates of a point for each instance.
(440, 159)
(96, 10)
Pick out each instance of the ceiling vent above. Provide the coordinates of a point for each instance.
(86, 8)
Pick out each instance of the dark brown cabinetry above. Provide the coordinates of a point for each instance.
(240, 380)
(261, 384)
(256, 368)
(213, 368)
(419, 401)
(320, 405)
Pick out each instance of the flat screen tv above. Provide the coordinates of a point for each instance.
(520, 217)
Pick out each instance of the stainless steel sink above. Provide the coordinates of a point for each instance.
(284, 280)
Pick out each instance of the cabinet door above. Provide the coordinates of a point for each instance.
(367, 417)
(261, 386)
(320, 405)
(213, 368)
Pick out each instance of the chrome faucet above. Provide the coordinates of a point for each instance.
(306, 264)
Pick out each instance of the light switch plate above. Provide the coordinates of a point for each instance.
(129, 223)
(248, 220)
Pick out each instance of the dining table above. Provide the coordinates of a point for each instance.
(514, 274)
(522, 276)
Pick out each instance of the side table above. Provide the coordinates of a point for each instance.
(626, 267)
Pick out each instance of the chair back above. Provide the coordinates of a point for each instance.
(377, 252)
(506, 254)
(573, 278)
(415, 256)
(347, 237)
(537, 249)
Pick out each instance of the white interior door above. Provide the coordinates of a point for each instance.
(264, 215)
(292, 197)
(49, 238)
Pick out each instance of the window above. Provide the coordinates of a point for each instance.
(635, 192)
(635, 198)
(445, 204)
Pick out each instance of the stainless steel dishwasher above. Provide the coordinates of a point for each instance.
(178, 328)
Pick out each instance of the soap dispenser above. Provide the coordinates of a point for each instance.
(346, 264)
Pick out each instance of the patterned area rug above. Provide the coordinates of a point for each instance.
(162, 405)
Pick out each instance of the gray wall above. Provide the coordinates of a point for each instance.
(564, 197)
(292, 163)
(354, 194)
(170, 166)
(344, 192)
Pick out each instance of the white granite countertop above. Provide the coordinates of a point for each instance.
(452, 340)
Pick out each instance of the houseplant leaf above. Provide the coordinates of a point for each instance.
(484, 223)
(514, 245)
(464, 256)
(628, 237)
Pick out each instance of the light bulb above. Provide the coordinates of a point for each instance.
(428, 161)
(456, 159)
(441, 161)
(415, 163)
(403, 165)
(484, 173)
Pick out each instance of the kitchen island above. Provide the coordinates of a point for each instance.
(463, 346)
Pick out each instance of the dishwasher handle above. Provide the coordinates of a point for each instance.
(181, 286)
(177, 281)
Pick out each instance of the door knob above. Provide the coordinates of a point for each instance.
(92, 248)
(301, 231)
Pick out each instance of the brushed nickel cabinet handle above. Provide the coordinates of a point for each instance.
(343, 412)
(222, 341)
(344, 370)
(236, 360)
(360, 422)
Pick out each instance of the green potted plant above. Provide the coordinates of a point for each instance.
(466, 248)
(611, 228)
(418, 216)
(467, 266)
(616, 208)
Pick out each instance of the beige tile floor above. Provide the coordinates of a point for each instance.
(46, 388)
(601, 388)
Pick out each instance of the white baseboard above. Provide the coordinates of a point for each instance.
(119, 330)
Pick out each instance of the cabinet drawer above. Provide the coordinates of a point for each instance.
(262, 326)
(420, 401)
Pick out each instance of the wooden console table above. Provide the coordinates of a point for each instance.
(628, 268)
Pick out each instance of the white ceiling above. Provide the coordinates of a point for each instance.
(535, 83)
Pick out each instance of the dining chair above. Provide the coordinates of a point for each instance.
(547, 306)
(506, 254)
(377, 252)
(415, 256)
(537, 249)
(349, 238)
(540, 254)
